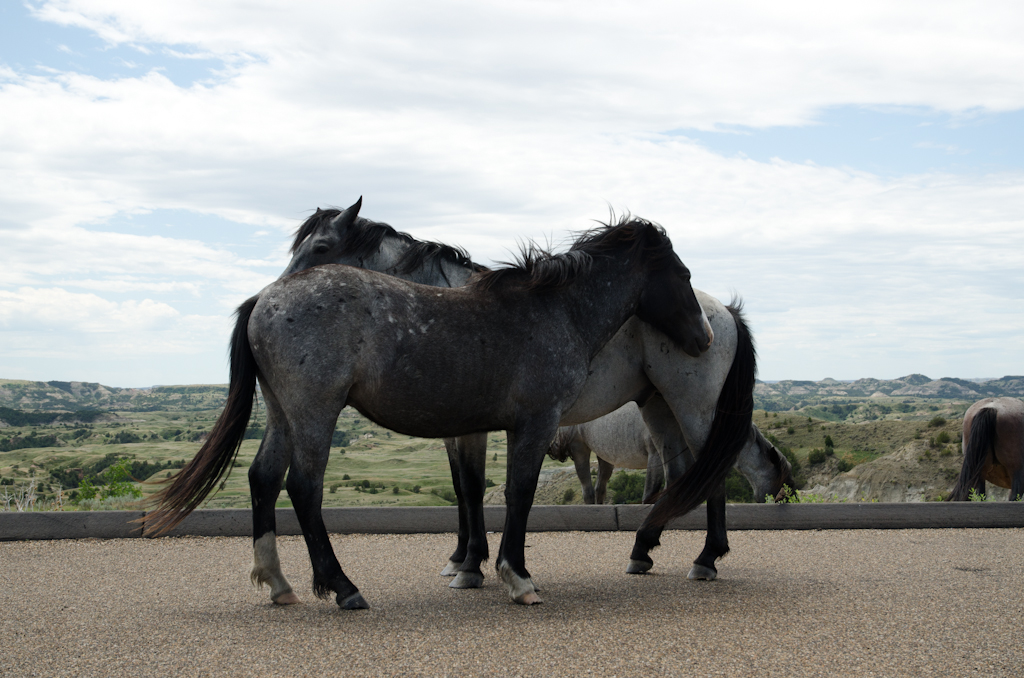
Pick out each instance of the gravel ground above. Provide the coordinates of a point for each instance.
(817, 603)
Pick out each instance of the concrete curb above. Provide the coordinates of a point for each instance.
(408, 520)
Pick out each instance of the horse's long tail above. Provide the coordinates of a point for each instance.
(977, 446)
(729, 433)
(190, 486)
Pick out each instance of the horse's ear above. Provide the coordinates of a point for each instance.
(318, 210)
(348, 217)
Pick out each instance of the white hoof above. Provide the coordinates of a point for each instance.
(638, 567)
(520, 590)
(451, 569)
(701, 572)
(467, 580)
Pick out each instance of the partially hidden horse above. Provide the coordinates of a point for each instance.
(993, 440)
(510, 351)
(621, 439)
(637, 362)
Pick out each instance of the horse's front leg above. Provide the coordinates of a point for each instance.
(527, 446)
(451, 447)
(470, 460)
(716, 545)
(265, 478)
(312, 438)
(655, 478)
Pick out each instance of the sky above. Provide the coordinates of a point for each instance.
(854, 172)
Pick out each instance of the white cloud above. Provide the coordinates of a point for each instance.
(481, 123)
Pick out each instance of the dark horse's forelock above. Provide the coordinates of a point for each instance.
(537, 268)
(364, 238)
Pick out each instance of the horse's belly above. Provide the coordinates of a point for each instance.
(430, 413)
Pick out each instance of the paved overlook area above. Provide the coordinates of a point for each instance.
(788, 603)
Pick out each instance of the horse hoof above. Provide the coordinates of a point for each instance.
(529, 599)
(467, 580)
(702, 572)
(286, 598)
(451, 569)
(638, 567)
(354, 602)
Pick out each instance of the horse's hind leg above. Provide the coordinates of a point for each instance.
(676, 458)
(265, 477)
(604, 474)
(580, 454)
(1017, 484)
(471, 459)
(717, 543)
(311, 433)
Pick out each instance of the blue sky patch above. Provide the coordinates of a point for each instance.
(31, 47)
(888, 142)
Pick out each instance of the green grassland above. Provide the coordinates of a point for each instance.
(373, 456)
(374, 467)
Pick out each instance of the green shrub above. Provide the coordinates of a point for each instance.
(817, 456)
(790, 430)
(395, 490)
(627, 488)
(568, 496)
(843, 466)
(828, 442)
(737, 489)
(333, 489)
(937, 421)
(488, 482)
(942, 438)
(416, 489)
(346, 477)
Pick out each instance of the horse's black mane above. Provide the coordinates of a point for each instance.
(537, 268)
(364, 238)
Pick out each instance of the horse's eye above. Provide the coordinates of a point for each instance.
(321, 248)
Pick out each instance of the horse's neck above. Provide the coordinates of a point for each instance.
(602, 300)
(456, 274)
(434, 271)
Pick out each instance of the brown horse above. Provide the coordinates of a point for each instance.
(993, 448)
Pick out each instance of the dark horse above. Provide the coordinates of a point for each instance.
(679, 394)
(510, 351)
(993, 441)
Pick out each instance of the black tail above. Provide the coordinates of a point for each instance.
(729, 433)
(977, 446)
(190, 486)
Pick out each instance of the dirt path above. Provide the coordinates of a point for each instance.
(857, 603)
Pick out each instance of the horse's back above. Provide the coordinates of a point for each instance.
(619, 438)
(406, 355)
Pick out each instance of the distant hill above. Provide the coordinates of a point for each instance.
(72, 396)
(784, 395)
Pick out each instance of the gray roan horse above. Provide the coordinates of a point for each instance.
(622, 440)
(637, 362)
(993, 448)
(510, 351)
